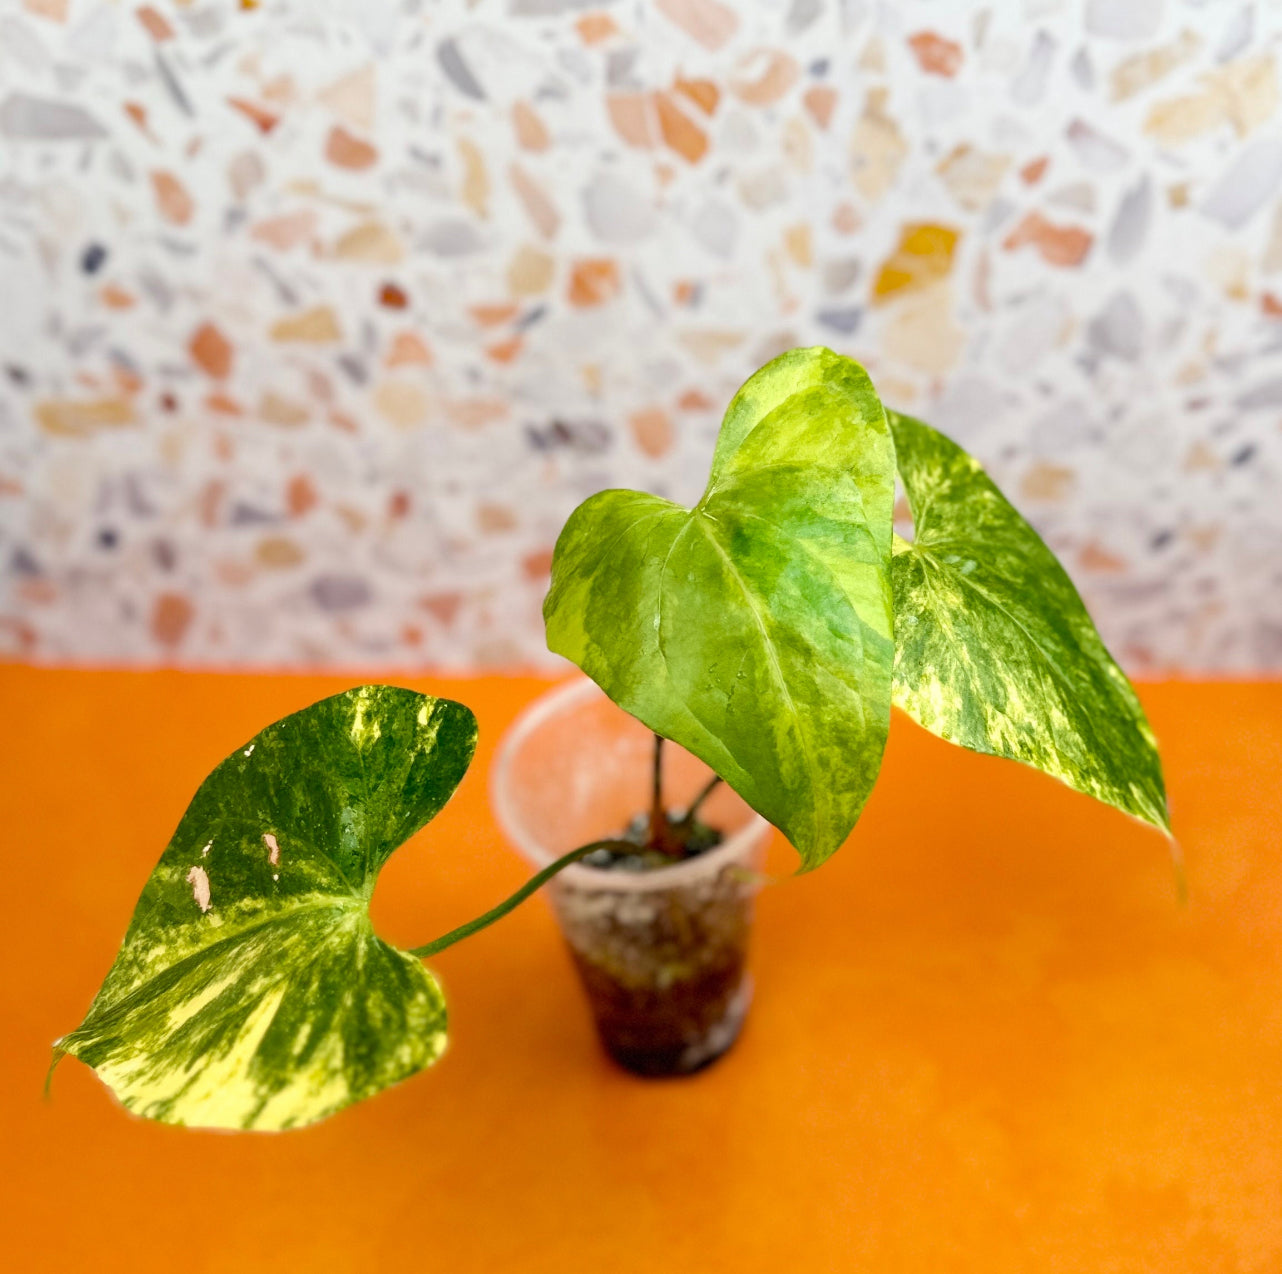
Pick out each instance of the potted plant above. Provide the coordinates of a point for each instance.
(657, 923)
(767, 631)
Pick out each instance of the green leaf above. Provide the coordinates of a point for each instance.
(755, 629)
(250, 990)
(994, 649)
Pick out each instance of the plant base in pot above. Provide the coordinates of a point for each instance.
(661, 950)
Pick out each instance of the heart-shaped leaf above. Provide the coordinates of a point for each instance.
(754, 629)
(994, 649)
(250, 990)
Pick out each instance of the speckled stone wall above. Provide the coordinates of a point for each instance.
(317, 318)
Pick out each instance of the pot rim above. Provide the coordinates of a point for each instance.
(564, 698)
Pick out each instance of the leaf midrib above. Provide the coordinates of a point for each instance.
(812, 556)
(817, 788)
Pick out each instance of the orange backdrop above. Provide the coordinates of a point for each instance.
(986, 1037)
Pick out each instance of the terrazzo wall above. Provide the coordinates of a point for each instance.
(317, 318)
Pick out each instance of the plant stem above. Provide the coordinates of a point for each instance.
(510, 904)
(688, 817)
(658, 837)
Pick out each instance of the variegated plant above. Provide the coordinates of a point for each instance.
(768, 630)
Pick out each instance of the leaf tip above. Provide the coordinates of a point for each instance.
(58, 1054)
(813, 856)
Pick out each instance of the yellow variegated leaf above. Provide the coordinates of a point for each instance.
(755, 628)
(250, 990)
(993, 647)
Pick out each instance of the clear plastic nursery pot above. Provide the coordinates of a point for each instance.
(661, 953)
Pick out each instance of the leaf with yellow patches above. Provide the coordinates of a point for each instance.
(754, 629)
(250, 990)
(994, 649)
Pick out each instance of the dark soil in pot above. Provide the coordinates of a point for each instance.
(663, 967)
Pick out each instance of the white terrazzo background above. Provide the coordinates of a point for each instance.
(316, 319)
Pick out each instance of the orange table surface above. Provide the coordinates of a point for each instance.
(986, 1036)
